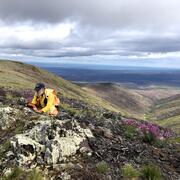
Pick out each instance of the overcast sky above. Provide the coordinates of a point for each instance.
(125, 32)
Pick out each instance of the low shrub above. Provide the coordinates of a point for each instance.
(130, 132)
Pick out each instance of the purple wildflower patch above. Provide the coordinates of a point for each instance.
(149, 131)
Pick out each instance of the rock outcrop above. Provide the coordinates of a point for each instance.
(50, 142)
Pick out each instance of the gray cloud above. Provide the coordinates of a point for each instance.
(105, 13)
(103, 27)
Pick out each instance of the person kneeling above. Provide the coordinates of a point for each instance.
(45, 100)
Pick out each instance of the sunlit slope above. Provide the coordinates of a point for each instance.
(167, 112)
(19, 75)
(131, 102)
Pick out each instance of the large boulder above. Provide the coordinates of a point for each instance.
(50, 142)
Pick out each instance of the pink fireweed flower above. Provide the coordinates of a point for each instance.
(143, 128)
(148, 128)
(166, 133)
(154, 130)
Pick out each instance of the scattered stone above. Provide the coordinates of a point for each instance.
(63, 115)
(7, 171)
(10, 155)
(63, 166)
(107, 133)
(78, 167)
(22, 101)
(65, 176)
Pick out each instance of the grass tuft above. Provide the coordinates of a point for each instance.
(151, 172)
(128, 171)
(102, 167)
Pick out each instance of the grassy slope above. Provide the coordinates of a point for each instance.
(158, 104)
(20, 75)
(132, 103)
(166, 112)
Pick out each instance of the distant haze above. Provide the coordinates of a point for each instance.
(129, 76)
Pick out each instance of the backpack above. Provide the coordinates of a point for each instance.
(56, 99)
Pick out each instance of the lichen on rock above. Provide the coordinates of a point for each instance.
(50, 141)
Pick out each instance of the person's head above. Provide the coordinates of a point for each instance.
(40, 89)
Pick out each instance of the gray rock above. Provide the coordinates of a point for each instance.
(57, 140)
(9, 154)
(107, 133)
(85, 151)
(59, 167)
(78, 167)
(65, 176)
(25, 149)
(7, 171)
(22, 101)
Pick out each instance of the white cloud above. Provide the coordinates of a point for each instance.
(84, 30)
(29, 33)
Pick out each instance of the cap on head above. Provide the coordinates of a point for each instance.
(39, 86)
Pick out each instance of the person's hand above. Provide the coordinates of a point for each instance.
(31, 105)
(35, 108)
(39, 111)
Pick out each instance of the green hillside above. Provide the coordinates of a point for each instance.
(18, 75)
(131, 102)
(158, 104)
(166, 112)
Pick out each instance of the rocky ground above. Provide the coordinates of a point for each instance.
(72, 145)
